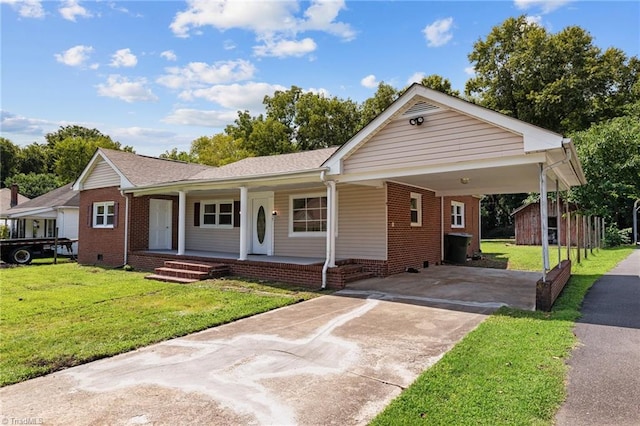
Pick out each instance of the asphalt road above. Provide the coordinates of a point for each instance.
(604, 377)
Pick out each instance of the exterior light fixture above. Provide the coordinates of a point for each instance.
(274, 213)
(417, 121)
(464, 180)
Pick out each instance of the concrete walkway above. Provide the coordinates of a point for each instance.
(604, 376)
(329, 360)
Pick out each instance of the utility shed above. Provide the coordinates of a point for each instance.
(527, 224)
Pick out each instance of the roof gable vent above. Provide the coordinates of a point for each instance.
(421, 108)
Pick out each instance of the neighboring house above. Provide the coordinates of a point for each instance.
(527, 224)
(9, 197)
(383, 202)
(39, 217)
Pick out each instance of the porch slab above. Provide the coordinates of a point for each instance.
(293, 260)
(462, 287)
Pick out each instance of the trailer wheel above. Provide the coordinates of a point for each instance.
(21, 256)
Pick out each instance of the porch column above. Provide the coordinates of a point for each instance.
(544, 222)
(331, 221)
(558, 222)
(568, 231)
(244, 222)
(182, 219)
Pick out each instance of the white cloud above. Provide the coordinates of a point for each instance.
(26, 8)
(534, 19)
(122, 88)
(123, 58)
(470, 70)
(275, 23)
(200, 74)
(169, 55)
(319, 91)
(141, 132)
(72, 9)
(369, 81)
(284, 48)
(228, 45)
(416, 77)
(236, 96)
(75, 56)
(12, 123)
(546, 6)
(439, 32)
(194, 117)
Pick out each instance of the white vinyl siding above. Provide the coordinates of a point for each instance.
(209, 239)
(444, 137)
(102, 176)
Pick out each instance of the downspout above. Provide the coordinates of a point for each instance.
(544, 226)
(330, 255)
(441, 229)
(126, 227)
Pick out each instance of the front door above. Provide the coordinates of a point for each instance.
(160, 215)
(261, 225)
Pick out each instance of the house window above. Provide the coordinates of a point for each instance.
(104, 214)
(50, 228)
(308, 215)
(416, 209)
(457, 214)
(216, 214)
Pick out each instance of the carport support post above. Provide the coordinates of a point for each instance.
(589, 225)
(182, 218)
(578, 218)
(544, 222)
(558, 222)
(584, 236)
(567, 230)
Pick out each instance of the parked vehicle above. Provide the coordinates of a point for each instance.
(23, 250)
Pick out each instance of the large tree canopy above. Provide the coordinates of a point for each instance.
(561, 81)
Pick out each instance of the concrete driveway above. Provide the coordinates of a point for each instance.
(455, 287)
(330, 360)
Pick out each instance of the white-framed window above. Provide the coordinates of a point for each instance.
(416, 209)
(457, 214)
(104, 214)
(216, 214)
(308, 215)
(50, 228)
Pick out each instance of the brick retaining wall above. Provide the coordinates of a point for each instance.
(548, 291)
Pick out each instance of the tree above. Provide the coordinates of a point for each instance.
(36, 158)
(385, 95)
(74, 131)
(72, 155)
(217, 150)
(10, 156)
(439, 83)
(269, 137)
(35, 184)
(561, 82)
(610, 157)
(174, 154)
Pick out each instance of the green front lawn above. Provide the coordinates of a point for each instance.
(511, 370)
(57, 316)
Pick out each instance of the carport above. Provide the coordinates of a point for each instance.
(465, 288)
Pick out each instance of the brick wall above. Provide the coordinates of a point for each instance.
(471, 220)
(101, 246)
(410, 246)
(139, 221)
(548, 291)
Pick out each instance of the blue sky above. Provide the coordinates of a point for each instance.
(159, 74)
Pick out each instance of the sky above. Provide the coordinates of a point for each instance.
(156, 75)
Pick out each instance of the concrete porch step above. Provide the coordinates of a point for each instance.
(191, 266)
(182, 273)
(165, 278)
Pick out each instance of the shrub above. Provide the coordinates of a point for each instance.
(614, 237)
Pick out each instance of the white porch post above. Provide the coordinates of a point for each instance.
(544, 224)
(558, 222)
(244, 222)
(182, 218)
(331, 221)
(568, 231)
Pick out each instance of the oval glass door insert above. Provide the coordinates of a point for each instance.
(261, 224)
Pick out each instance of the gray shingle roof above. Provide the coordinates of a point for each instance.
(270, 165)
(60, 197)
(5, 199)
(141, 170)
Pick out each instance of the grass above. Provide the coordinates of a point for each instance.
(56, 316)
(511, 369)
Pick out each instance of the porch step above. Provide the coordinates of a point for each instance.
(168, 279)
(188, 272)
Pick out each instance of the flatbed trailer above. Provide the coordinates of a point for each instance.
(23, 250)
